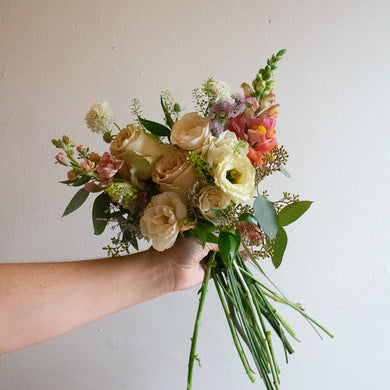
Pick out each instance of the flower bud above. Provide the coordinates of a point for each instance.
(108, 137)
(61, 158)
(91, 187)
(80, 148)
(72, 175)
(65, 138)
(94, 157)
(87, 166)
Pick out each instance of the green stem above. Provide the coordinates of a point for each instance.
(194, 338)
(117, 126)
(232, 331)
(260, 325)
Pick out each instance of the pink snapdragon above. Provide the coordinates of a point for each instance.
(108, 166)
(259, 132)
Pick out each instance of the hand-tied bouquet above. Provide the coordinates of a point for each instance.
(197, 175)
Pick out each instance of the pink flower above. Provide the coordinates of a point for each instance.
(259, 132)
(87, 166)
(61, 158)
(108, 166)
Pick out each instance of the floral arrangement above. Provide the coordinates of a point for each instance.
(200, 174)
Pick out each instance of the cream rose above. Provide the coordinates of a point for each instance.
(190, 132)
(219, 147)
(235, 175)
(173, 172)
(163, 219)
(138, 150)
(212, 197)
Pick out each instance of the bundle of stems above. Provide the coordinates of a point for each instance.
(250, 316)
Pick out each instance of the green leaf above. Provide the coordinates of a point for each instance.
(228, 245)
(248, 217)
(127, 236)
(204, 233)
(100, 213)
(168, 117)
(266, 216)
(155, 128)
(292, 212)
(79, 198)
(77, 182)
(279, 246)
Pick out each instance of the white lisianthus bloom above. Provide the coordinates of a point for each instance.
(211, 198)
(163, 219)
(222, 91)
(190, 132)
(219, 147)
(235, 176)
(100, 118)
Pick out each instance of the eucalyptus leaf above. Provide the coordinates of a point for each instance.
(100, 213)
(284, 171)
(79, 198)
(292, 212)
(155, 128)
(279, 246)
(266, 216)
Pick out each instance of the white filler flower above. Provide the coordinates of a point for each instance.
(100, 118)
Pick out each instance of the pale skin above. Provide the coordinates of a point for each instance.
(41, 301)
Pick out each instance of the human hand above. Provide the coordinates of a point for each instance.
(187, 261)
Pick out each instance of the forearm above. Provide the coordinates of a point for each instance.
(39, 301)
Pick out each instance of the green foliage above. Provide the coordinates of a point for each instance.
(204, 233)
(248, 217)
(77, 201)
(265, 214)
(155, 128)
(292, 212)
(278, 247)
(204, 97)
(228, 245)
(170, 108)
(101, 213)
(201, 166)
(136, 110)
(77, 182)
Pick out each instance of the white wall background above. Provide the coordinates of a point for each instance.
(59, 57)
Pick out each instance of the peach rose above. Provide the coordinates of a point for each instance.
(190, 132)
(212, 197)
(138, 150)
(163, 219)
(173, 172)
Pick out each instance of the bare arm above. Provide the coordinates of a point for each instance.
(40, 301)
